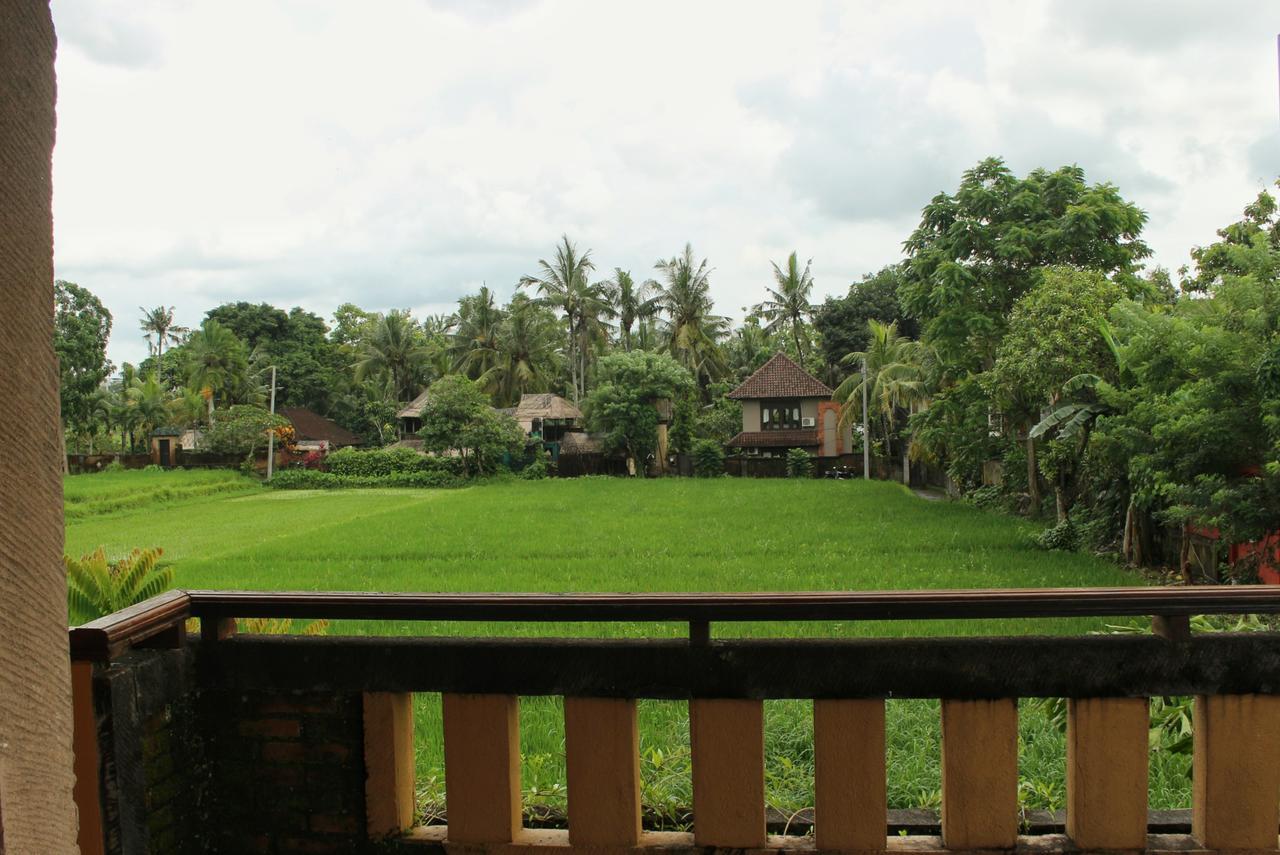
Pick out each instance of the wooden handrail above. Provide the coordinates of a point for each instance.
(106, 637)
(779, 606)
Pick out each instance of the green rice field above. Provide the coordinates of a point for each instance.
(221, 530)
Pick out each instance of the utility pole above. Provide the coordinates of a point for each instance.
(271, 431)
(866, 431)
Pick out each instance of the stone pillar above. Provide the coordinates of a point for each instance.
(35, 673)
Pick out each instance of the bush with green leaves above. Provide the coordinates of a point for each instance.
(1064, 537)
(535, 471)
(799, 463)
(458, 419)
(97, 586)
(311, 479)
(388, 461)
(241, 429)
(708, 458)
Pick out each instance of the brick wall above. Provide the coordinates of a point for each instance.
(289, 771)
(190, 771)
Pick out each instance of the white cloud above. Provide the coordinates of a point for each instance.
(401, 154)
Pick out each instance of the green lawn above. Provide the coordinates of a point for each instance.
(620, 535)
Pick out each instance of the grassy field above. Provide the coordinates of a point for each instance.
(619, 535)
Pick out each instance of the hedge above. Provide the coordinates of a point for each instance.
(310, 479)
(388, 461)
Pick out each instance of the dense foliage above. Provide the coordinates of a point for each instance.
(459, 420)
(98, 586)
(623, 404)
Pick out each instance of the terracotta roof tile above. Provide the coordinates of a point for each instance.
(781, 378)
(774, 439)
(310, 425)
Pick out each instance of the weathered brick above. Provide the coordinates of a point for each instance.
(272, 728)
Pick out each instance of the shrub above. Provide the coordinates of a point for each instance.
(1064, 536)
(97, 587)
(708, 458)
(799, 463)
(113, 466)
(535, 471)
(150, 467)
(388, 461)
(310, 479)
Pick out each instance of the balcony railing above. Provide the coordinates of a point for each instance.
(294, 743)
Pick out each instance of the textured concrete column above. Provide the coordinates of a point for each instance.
(1107, 764)
(727, 742)
(849, 774)
(1236, 771)
(36, 774)
(980, 774)
(388, 762)
(482, 767)
(602, 758)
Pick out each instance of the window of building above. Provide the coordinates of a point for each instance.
(780, 415)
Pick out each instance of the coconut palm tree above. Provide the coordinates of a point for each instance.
(691, 330)
(788, 306)
(527, 357)
(217, 361)
(158, 322)
(748, 348)
(562, 284)
(473, 344)
(397, 349)
(187, 406)
(896, 372)
(147, 399)
(632, 302)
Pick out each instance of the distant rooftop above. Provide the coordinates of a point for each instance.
(780, 377)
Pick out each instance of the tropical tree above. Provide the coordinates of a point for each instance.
(894, 371)
(146, 397)
(158, 323)
(217, 361)
(788, 306)
(474, 343)
(841, 322)
(632, 302)
(563, 284)
(526, 356)
(622, 405)
(395, 349)
(81, 327)
(691, 330)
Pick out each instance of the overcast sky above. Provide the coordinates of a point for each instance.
(400, 153)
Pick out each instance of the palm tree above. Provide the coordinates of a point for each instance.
(562, 284)
(788, 304)
(217, 361)
(473, 345)
(147, 400)
(158, 322)
(631, 302)
(526, 357)
(748, 349)
(896, 373)
(187, 406)
(396, 348)
(690, 329)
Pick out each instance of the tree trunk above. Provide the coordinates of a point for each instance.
(1126, 544)
(1033, 476)
(209, 401)
(1062, 502)
(1184, 556)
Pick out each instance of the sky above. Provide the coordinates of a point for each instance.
(399, 154)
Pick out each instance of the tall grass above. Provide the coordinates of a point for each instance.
(669, 535)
